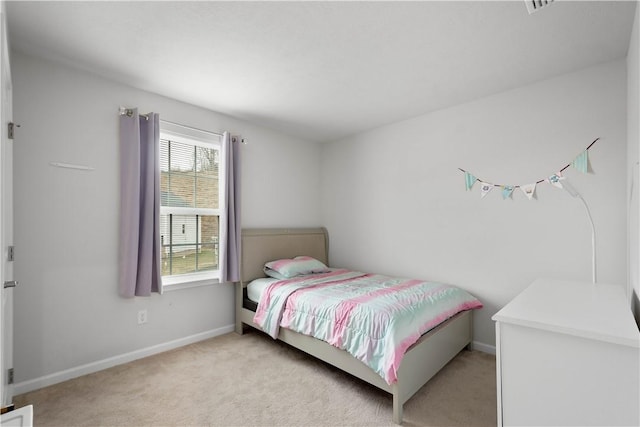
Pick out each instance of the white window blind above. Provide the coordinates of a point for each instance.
(190, 206)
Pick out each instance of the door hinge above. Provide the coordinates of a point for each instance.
(10, 253)
(11, 127)
(10, 376)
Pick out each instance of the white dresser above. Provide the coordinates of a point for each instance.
(568, 354)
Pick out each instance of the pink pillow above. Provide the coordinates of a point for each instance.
(298, 266)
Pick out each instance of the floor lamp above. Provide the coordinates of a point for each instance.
(574, 193)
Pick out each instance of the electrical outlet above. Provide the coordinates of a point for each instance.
(142, 317)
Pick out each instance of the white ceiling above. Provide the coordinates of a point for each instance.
(323, 70)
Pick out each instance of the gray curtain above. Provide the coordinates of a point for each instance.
(230, 244)
(139, 204)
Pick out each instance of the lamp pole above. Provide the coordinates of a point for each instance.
(574, 193)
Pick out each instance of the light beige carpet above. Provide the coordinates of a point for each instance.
(251, 380)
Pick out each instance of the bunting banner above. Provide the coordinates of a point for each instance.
(529, 190)
(484, 189)
(469, 180)
(555, 180)
(506, 191)
(580, 162)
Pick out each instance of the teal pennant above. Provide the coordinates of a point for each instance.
(507, 190)
(469, 180)
(581, 162)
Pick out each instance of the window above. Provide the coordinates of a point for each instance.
(190, 205)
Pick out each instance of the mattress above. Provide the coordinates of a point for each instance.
(374, 318)
(256, 287)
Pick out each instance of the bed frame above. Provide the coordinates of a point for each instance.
(422, 360)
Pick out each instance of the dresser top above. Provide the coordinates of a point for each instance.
(599, 311)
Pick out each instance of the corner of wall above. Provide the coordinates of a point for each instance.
(633, 158)
(635, 307)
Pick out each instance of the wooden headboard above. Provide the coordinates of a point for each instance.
(261, 245)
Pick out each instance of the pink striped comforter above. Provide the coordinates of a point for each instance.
(375, 318)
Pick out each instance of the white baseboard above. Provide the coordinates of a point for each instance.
(485, 348)
(89, 368)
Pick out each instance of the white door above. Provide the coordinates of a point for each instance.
(6, 217)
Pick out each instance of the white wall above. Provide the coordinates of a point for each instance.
(68, 312)
(633, 157)
(392, 198)
(394, 201)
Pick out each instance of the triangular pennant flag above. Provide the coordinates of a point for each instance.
(555, 180)
(484, 189)
(581, 162)
(506, 191)
(469, 180)
(529, 190)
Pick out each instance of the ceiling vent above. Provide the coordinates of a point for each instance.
(535, 5)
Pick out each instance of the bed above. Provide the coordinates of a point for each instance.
(422, 360)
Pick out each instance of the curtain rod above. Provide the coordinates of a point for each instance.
(124, 111)
(129, 113)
